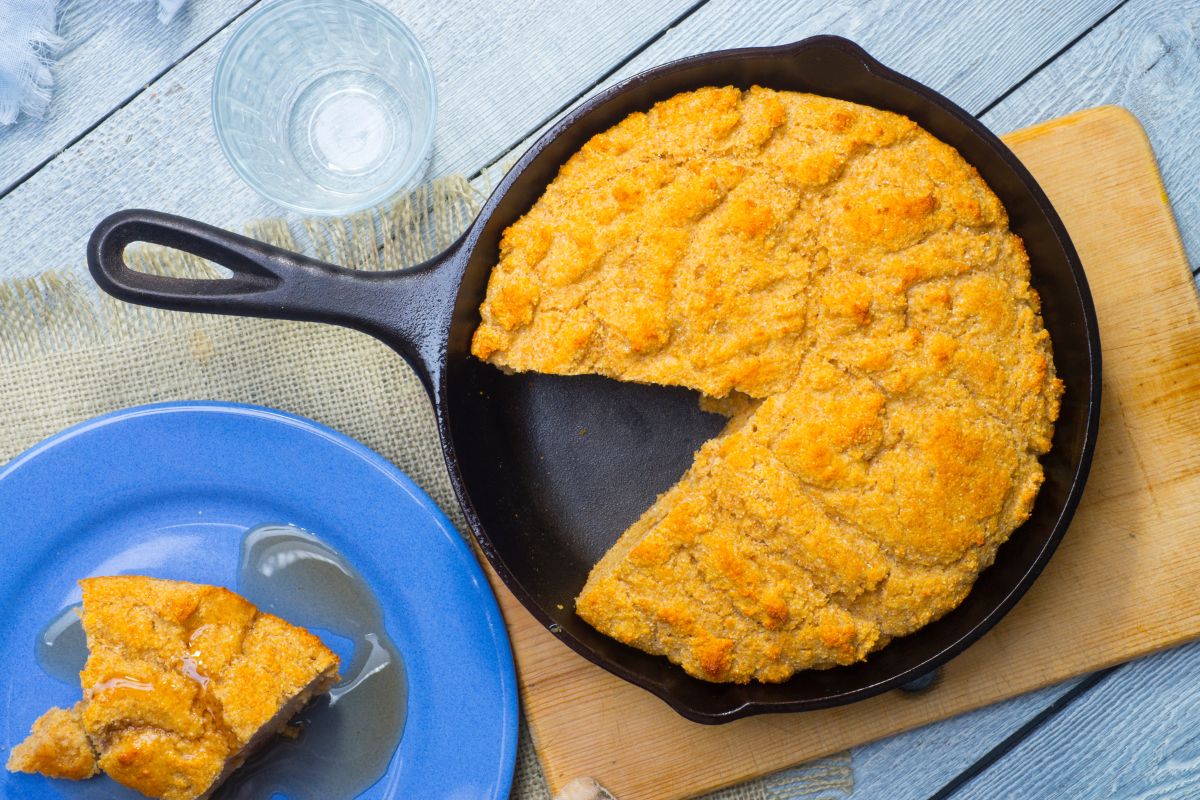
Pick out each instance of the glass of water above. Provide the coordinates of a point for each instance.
(325, 106)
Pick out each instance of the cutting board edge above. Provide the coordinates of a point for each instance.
(1128, 124)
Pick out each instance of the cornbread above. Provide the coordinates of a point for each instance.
(57, 746)
(846, 287)
(182, 682)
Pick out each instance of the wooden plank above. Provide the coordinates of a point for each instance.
(501, 67)
(1129, 548)
(111, 51)
(1144, 58)
(1134, 735)
(911, 765)
(972, 52)
(874, 25)
(915, 764)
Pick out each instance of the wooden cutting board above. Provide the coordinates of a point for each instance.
(1122, 584)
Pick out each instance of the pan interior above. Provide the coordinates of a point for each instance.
(588, 455)
(555, 468)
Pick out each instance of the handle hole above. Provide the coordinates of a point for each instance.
(168, 262)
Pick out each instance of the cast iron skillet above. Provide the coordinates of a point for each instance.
(550, 470)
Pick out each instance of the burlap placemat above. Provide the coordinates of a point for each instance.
(71, 354)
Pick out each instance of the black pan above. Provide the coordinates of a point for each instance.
(550, 470)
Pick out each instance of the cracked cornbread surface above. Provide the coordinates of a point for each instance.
(181, 683)
(852, 284)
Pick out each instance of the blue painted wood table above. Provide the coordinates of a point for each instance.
(129, 126)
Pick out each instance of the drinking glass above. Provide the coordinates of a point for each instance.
(325, 106)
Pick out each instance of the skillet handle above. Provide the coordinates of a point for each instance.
(408, 309)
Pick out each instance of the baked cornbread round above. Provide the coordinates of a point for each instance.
(849, 287)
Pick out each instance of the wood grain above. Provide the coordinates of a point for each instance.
(908, 766)
(1134, 735)
(914, 764)
(1127, 549)
(972, 52)
(1145, 57)
(112, 50)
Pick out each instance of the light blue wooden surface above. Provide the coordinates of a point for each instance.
(110, 52)
(1135, 735)
(506, 69)
(972, 52)
(1146, 57)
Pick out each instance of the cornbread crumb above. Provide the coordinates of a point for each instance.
(57, 746)
(845, 287)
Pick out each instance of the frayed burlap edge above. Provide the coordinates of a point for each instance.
(53, 312)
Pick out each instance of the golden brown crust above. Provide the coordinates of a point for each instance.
(853, 283)
(180, 678)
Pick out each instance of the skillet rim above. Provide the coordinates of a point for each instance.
(465, 247)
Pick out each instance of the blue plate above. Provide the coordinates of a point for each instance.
(168, 490)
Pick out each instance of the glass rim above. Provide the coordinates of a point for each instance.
(236, 45)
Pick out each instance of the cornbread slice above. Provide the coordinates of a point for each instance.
(846, 287)
(183, 681)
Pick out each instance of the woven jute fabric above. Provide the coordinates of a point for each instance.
(70, 354)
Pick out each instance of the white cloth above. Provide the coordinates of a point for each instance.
(27, 47)
(27, 42)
